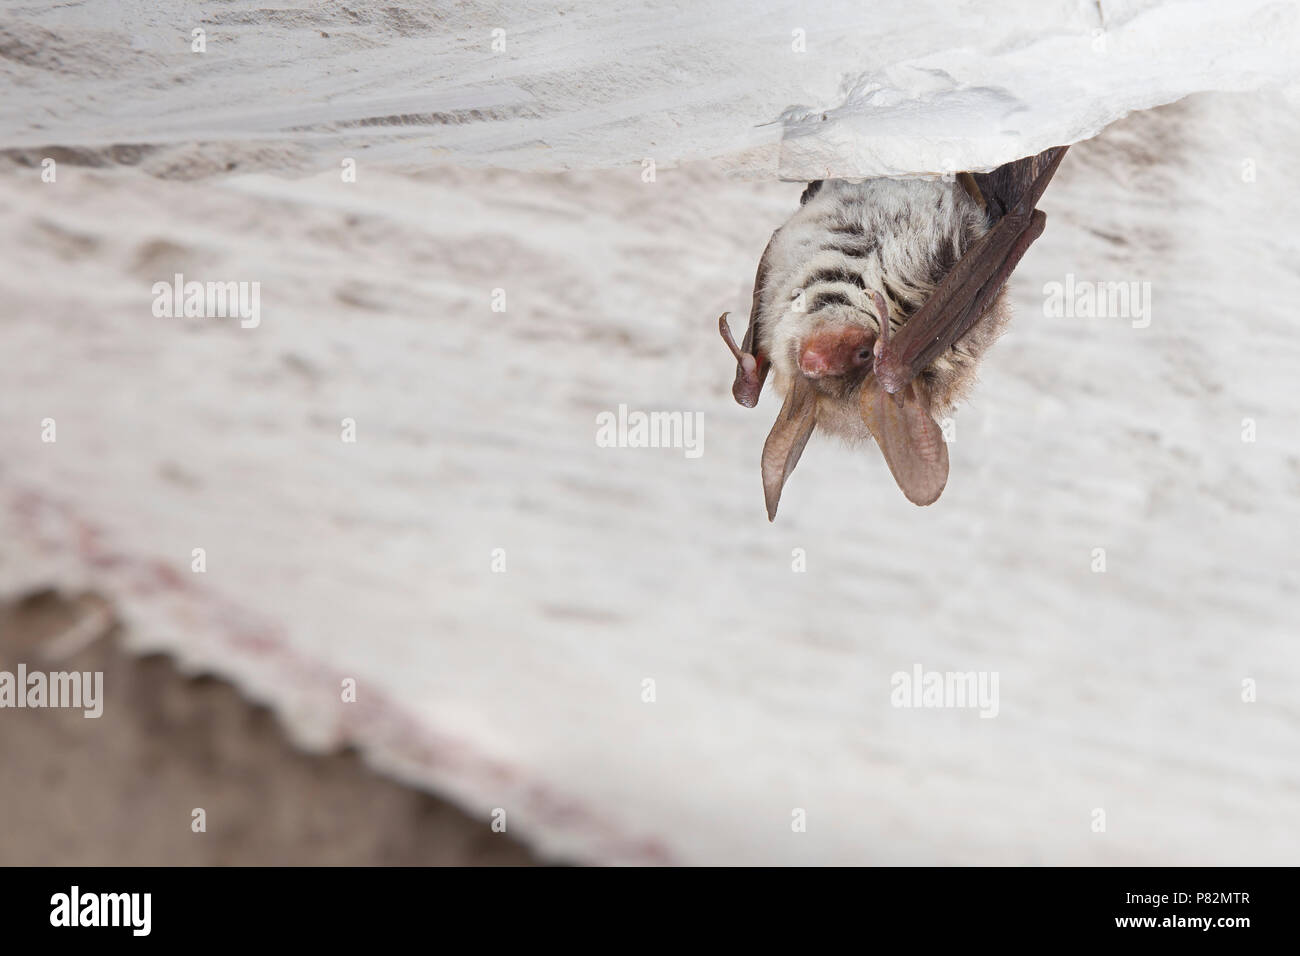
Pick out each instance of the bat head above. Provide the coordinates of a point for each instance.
(833, 352)
(826, 366)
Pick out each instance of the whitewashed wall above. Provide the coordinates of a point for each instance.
(793, 88)
(523, 690)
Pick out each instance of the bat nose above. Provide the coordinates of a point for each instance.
(835, 352)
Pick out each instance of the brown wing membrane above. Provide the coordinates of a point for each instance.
(908, 437)
(1010, 193)
(785, 443)
(1021, 181)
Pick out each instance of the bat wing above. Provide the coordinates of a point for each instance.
(1011, 183)
(908, 437)
(1009, 194)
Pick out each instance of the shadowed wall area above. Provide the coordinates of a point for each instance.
(121, 789)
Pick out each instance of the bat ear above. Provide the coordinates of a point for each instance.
(785, 443)
(908, 437)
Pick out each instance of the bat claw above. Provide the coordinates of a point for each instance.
(892, 374)
(725, 329)
(885, 361)
(750, 369)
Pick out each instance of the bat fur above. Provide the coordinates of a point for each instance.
(848, 240)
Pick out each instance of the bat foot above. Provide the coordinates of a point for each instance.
(891, 373)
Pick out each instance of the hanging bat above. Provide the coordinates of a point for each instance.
(872, 307)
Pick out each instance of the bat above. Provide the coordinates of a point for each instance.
(872, 308)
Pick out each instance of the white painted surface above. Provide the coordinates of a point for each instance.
(890, 87)
(476, 430)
